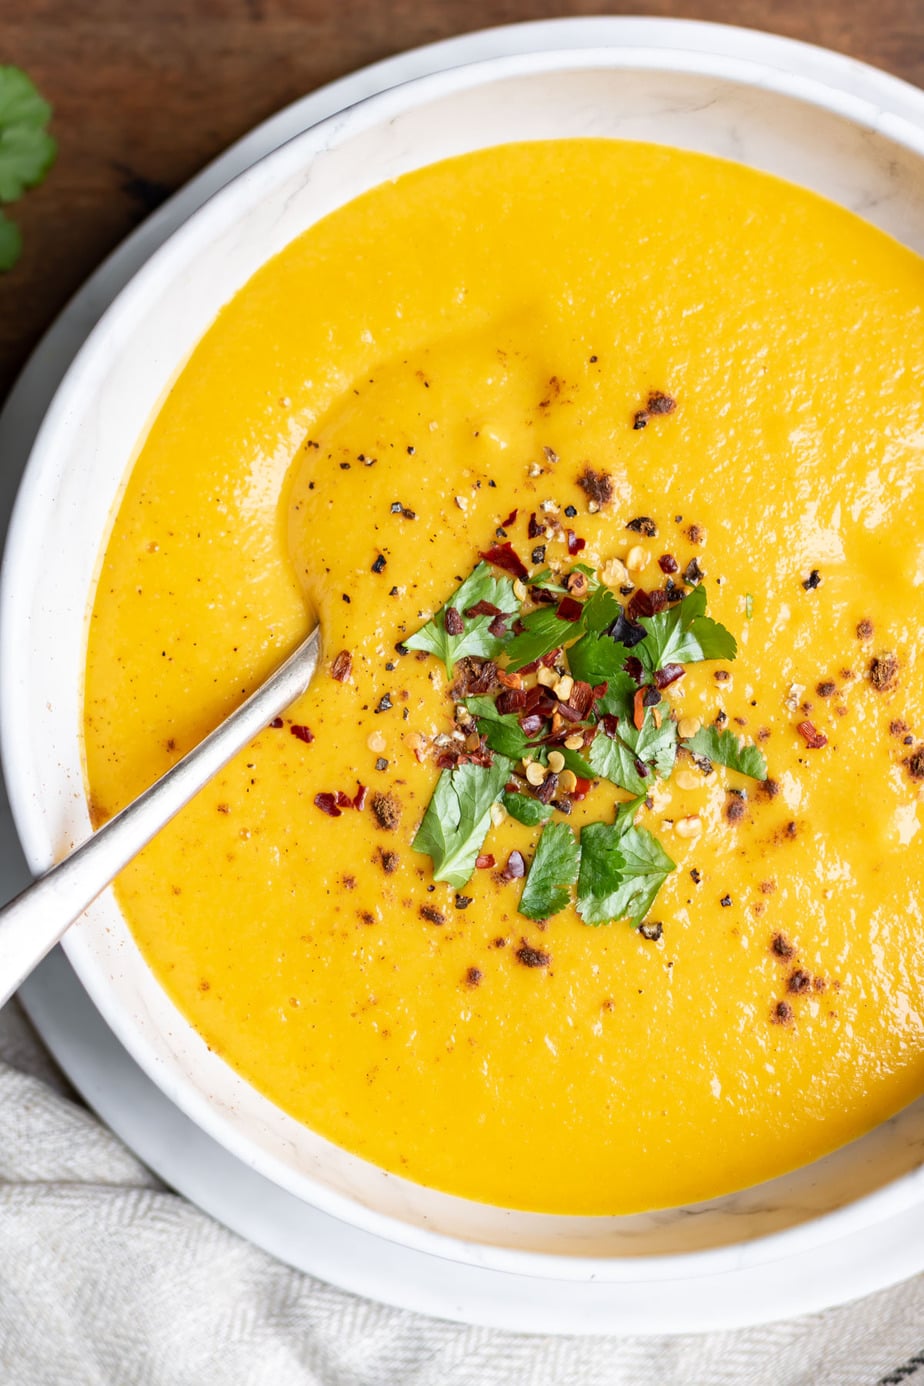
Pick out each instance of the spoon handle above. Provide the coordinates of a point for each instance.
(35, 920)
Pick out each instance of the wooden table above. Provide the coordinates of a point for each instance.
(147, 91)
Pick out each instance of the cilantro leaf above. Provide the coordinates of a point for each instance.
(481, 585)
(684, 634)
(601, 609)
(457, 819)
(502, 731)
(525, 809)
(552, 581)
(621, 873)
(619, 698)
(617, 758)
(553, 871)
(595, 658)
(725, 748)
(576, 763)
(543, 631)
(626, 811)
(27, 151)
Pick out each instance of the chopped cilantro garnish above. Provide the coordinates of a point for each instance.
(621, 873)
(725, 748)
(553, 871)
(618, 757)
(502, 731)
(475, 638)
(543, 632)
(27, 151)
(684, 634)
(525, 809)
(618, 866)
(457, 819)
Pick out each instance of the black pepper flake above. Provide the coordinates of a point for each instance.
(799, 981)
(812, 581)
(725, 901)
(401, 649)
(532, 957)
(695, 876)
(345, 598)
(651, 930)
(781, 1013)
(396, 507)
(463, 901)
(410, 450)
(344, 466)
(384, 704)
(432, 914)
(390, 666)
(393, 592)
(571, 511)
(643, 524)
(381, 763)
(693, 573)
(473, 976)
(379, 564)
(538, 554)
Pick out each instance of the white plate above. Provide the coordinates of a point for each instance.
(748, 1288)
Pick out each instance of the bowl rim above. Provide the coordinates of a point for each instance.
(905, 125)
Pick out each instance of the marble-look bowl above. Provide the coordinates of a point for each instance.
(833, 126)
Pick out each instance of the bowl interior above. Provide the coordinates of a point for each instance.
(835, 142)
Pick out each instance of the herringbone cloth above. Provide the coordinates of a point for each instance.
(107, 1279)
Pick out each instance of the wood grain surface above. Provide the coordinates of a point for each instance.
(147, 91)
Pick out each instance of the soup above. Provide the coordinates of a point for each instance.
(665, 374)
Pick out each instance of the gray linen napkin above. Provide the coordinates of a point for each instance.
(108, 1279)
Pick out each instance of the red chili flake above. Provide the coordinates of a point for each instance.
(574, 543)
(535, 528)
(634, 668)
(483, 609)
(546, 791)
(659, 600)
(343, 800)
(484, 862)
(515, 868)
(638, 709)
(609, 723)
(505, 556)
(342, 666)
(660, 403)
(359, 798)
(510, 700)
(505, 524)
(640, 605)
(669, 674)
(813, 739)
(453, 621)
(668, 563)
(532, 666)
(582, 696)
(276, 723)
(581, 788)
(531, 724)
(552, 657)
(570, 714)
(569, 609)
(498, 627)
(303, 733)
(509, 680)
(327, 803)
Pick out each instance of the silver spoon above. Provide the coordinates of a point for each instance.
(35, 920)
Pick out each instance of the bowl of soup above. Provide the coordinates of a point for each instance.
(578, 396)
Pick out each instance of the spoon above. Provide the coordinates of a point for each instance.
(35, 920)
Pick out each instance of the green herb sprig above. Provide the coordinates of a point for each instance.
(27, 151)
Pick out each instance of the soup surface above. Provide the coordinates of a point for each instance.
(481, 337)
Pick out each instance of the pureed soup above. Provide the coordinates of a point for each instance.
(596, 885)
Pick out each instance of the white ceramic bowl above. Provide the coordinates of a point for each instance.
(860, 141)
